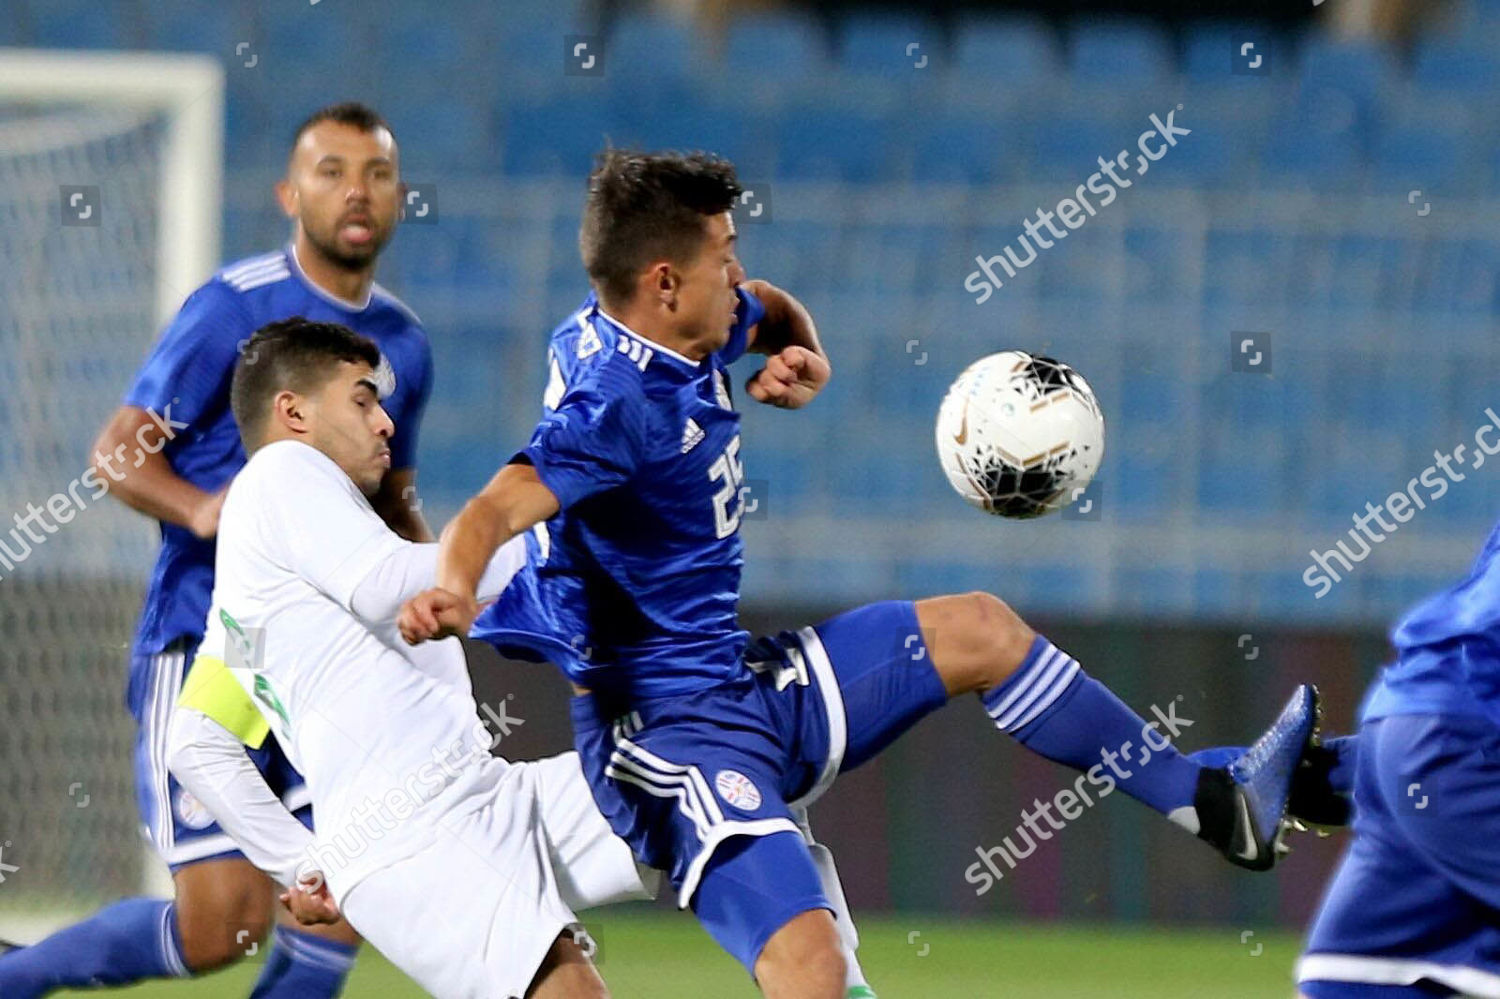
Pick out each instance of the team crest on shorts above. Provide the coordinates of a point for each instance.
(738, 790)
(190, 811)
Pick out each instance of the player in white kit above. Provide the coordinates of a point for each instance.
(463, 869)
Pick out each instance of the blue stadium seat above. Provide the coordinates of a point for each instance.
(742, 137)
(527, 50)
(298, 39)
(831, 145)
(1148, 478)
(1017, 50)
(967, 149)
(1150, 398)
(1158, 262)
(184, 25)
(1459, 67)
(10, 26)
(776, 47)
(1363, 70)
(557, 137)
(1073, 144)
(1242, 477)
(450, 135)
(77, 24)
(880, 45)
(1119, 52)
(1305, 155)
(1211, 157)
(652, 47)
(1209, 51)
(418, 37)
(1420, 158)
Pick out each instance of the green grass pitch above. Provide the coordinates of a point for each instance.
(651, 954)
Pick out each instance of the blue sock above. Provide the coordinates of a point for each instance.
(122, 943)
(1054, 708)
(302, 966)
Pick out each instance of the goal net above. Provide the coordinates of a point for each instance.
(110, 171)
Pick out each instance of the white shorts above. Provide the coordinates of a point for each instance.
(473, 915)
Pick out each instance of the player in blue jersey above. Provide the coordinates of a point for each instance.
(1414, 909)
(342, 191)
(702, 747)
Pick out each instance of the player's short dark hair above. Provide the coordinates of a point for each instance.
(361, 116)
(294, 354)
(648, 206)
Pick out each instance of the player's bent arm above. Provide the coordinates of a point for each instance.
(129, 456)
(212, 764)
(413, 568)
(787, 323)
(797, 367)
(398, 506)
(515, 500)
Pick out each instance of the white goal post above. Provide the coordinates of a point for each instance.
(189, 90)
(81, 299)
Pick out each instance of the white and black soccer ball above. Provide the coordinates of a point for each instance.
(1020, 435)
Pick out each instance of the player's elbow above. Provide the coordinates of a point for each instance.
(129, 440)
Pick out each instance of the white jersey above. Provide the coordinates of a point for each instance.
(387, 735)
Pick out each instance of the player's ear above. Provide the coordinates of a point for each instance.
(665, 282)
(290, 410)
(286, 195)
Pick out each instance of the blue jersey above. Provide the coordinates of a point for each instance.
(186, 379)
(634, 586)
(1448, 649)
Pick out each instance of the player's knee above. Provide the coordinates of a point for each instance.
(992, 641)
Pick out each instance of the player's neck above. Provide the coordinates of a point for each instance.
(642, 324)
(340, 282)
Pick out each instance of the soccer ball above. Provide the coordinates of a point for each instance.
(1020, 435)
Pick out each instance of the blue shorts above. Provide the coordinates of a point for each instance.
(176, 823)
(1415, 903)
(712, 786)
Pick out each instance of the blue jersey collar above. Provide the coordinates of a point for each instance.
(651, 344)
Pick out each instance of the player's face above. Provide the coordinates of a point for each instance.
(350, 426)
(706, 298)
(343, 190)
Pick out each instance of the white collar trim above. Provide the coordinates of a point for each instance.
(328, 296)
(647, 342)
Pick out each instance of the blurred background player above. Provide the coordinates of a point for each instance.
(1412, 908)
(703, 749)
(342, 190)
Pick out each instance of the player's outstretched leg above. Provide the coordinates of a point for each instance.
(221, 912)
(1040, 695)
(126, 942)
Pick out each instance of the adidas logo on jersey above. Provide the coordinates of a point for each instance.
(692, 435)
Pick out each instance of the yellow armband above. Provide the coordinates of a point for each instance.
(213, 690)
